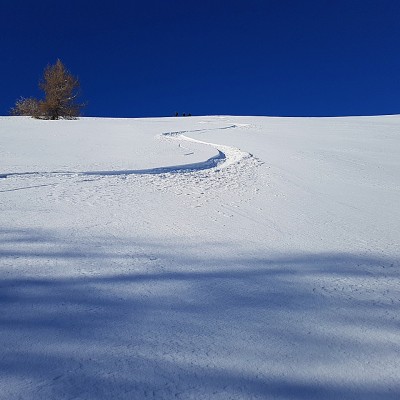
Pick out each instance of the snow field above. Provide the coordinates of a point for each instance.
(138, 260)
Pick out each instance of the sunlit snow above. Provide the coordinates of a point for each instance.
(200, 258)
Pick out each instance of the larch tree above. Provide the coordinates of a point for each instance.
(61, 90)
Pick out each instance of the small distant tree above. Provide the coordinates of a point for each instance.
(61, 90)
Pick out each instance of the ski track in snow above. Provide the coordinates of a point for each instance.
(202, 182)
(226, 156)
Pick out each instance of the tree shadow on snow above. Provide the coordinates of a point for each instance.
(131, 319)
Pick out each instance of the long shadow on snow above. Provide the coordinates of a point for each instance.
(240, 327)
(173, 169)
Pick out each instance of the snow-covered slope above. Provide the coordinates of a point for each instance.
(200, 258)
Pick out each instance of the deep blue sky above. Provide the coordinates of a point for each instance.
(152, 58)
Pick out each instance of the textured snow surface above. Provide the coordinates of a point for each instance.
(200, 258)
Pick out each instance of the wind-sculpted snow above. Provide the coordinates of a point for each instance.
(159, 259)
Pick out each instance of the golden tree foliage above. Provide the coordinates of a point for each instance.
(28, 107)
(61, 90)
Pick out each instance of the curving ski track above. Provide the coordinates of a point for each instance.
(226, 156)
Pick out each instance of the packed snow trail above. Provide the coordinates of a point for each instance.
(173, 169)
(226, 156)
(230, 155)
